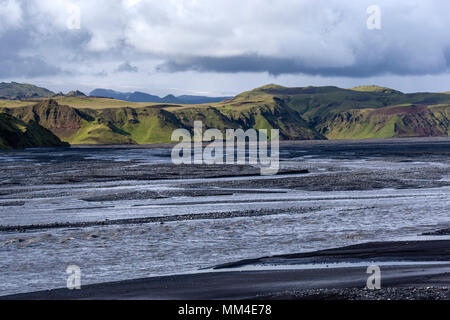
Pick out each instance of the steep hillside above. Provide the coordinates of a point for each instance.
(16, 134)
(127, 125)
(62, 120)
(316, 104)
(396, 121)
(70, 124)
(266, 112)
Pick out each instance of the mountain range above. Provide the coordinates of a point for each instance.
(21, 91)
(145, 97)
(299, 113)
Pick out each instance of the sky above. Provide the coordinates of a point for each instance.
(223, 47)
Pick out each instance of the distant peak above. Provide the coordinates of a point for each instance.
(75, 93)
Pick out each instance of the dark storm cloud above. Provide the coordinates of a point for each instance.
(278, 66)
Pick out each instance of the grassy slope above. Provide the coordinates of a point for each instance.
(84, 103)
(96, 103)
(98, 133)
(13, 103)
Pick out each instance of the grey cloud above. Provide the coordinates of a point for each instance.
(30, 67)
(15, 64)
(101, 74)
(127, 67)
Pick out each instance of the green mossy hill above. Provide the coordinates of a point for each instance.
(17, 134)
(14, 90)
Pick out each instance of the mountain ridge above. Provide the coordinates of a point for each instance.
(138, 96)
(300, 113)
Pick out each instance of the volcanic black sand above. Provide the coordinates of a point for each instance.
(418, 280)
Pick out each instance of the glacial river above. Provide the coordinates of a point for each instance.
(303, 218)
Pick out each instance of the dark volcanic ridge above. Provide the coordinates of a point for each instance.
(435, 250)
(442, 232)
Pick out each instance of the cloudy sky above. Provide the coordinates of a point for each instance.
(223, 47)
